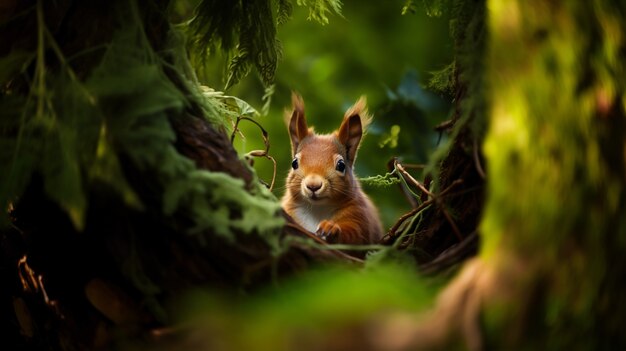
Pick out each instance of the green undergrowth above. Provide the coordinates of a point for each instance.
(322, 302)
(72, 126)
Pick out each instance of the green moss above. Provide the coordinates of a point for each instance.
(556, 192)
(72, 130)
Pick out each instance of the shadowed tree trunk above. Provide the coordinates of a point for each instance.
(97, 249)
(548, 274)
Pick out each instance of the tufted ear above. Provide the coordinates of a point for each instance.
(351, 129)
(298, 128)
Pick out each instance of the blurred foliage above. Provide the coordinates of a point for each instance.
(245, 32)
(318, 302)
(564, 169)
(69, 131)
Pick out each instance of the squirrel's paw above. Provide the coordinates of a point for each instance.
(329, 231)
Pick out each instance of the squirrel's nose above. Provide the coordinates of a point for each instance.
(314, 186)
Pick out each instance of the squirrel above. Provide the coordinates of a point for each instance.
(322, 194)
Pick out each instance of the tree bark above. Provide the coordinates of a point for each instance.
(550, 267)
(71, 289)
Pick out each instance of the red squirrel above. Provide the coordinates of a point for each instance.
(322, 193)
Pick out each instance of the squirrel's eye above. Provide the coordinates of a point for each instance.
(341, 166)
(294, 163)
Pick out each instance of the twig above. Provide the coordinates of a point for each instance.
(455, 229)
(452, 255)
(413, 166)
(408, 215)
(443, 126)
(479, 167)
(436, 198)
(432, 198)
(257, 153)
(318, 243)
(408, 195)
(414, 181)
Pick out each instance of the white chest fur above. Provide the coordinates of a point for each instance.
(310, 216)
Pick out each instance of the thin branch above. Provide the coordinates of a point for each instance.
(455, 229)
(433, 198)
(408, 194)
(408, 215)
(413, 181)
(440, 205)
(452, 255)
(479, 167)
(258, 153)
(446, 125)
(413, 166)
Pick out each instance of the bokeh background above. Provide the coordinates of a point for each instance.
(373, 50)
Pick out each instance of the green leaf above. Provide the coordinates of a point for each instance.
(238, 68)
(62, 175)
(233, 104)
(434, 8)
(245, 31)
(15, 62)
(285, 9)
(106, 167)
(19, 153)
(319, 9)
(390, 138)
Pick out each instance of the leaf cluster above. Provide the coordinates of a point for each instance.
(245, 30)
(72, 127)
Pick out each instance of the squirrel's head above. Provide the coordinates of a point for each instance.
(322, 166)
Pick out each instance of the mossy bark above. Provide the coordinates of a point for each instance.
(116, 277)
(549, 274)
(557, 148)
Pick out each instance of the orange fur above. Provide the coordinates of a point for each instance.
(319, 196)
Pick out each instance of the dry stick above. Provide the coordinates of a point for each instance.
(408, 215)
(414, 166)
(391, 165)
(424, 204)
(413, 180)
(434, 198)
(479, 167)
(451, 255)
(319, 241)
(455, 229)
(235, 129)
(257, 153)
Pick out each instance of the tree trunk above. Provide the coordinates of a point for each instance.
(549, 272)
(76, 276)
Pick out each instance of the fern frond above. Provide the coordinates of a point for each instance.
(319, 9)
(216, 25)
(244, 30)
(285, 9)
(238, 68)
(435, 8)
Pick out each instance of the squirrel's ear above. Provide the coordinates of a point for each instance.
(298, 129)
(351, 129)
